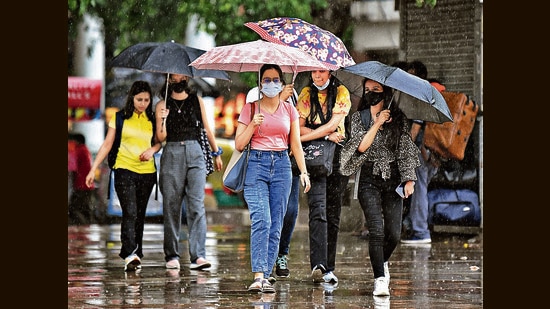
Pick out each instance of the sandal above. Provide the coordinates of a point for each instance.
(256, 286)
(267, 287)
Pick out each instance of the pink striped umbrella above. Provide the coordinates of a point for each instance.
(250, 56)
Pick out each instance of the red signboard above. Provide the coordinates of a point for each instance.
(84, 92)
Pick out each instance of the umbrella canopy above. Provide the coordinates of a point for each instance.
(295, 32)
(165, 57)
(250, 56)
(416, 97)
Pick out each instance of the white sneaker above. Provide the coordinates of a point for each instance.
(381, 287)
(330, 277)
(387, 271)
(132, 262)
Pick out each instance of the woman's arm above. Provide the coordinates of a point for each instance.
(161, 112)
(298, 153)
(101, 155)
(327, 129)
(244, 132)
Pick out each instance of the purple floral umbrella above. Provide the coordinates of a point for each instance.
(295, 32)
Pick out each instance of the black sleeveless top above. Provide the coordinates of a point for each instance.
(183, 124)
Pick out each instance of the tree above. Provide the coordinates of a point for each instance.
(131, 22)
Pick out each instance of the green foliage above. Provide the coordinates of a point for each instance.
(231, 30)
(430, 3)
(127, 22)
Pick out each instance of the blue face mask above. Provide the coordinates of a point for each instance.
(324, 86)
(271, 89)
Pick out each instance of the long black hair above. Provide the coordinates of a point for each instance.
(399, 123)
(138, 86)
(332, 91)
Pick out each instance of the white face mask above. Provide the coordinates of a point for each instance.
(271, 89)
(324, 86)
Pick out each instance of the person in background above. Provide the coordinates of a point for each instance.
(291, 215)
(384, 155)
(80, 204)
(415, 222)
(71, 164)
(324, 93)
(273, 127)
(182, 176)
(135, 172)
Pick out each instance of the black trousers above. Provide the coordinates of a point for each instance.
(133, 191)
(325, 200)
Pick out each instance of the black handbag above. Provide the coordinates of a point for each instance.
(318, 156)
(318, 153)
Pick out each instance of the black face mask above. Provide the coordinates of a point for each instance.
(374, 98)
(179, 87)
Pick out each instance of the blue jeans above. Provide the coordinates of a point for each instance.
(325, 200)
(383, 210)
(291, 215)
(182, 179)
(266, 192)
(133, 191)
(417, 217)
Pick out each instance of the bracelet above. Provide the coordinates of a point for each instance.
(326, 137)
(217, 153)
(305, 173)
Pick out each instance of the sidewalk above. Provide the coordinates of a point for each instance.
(448, 274)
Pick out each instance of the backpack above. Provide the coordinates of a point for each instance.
(449, 139)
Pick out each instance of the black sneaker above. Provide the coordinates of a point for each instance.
(317, 273)
(281, 266)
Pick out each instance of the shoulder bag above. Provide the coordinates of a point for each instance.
(318, 154)
(235, 172)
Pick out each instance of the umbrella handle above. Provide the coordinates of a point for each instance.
(391, 101)
(165, 103)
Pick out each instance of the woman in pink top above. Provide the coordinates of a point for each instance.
(275, 125)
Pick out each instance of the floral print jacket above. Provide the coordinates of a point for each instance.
(378, 153)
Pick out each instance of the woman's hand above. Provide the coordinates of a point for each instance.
(287, 92)
(90, 178)
(409, 188)
(304, 180)
(147, 154)
(258, 119)
(382, 117)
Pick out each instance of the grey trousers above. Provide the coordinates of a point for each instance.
(183, 176)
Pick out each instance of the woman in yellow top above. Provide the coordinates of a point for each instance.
(134, 169)
(324, 93)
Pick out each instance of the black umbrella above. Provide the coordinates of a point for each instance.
(166, 57)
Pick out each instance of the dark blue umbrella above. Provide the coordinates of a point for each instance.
(416, 97)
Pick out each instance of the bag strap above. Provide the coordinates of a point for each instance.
(365, 117)
(111, 157)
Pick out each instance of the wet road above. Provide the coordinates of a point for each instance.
(447, 274)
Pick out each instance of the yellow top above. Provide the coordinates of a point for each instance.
(137, 132)
(341, 106)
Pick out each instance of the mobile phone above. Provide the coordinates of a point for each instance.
(401, 190)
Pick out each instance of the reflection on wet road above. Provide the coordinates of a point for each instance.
(447, 274)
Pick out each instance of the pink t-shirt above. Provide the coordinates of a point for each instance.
(274, 132)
